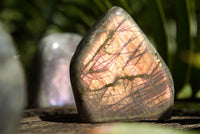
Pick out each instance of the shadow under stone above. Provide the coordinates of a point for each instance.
(65, 118)
(181, 121)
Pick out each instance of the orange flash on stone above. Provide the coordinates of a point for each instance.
(117, 74)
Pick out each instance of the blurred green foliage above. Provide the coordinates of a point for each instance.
(173, 26)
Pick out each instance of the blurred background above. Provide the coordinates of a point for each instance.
(173, 26)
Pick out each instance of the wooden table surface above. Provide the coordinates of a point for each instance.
(65, 120)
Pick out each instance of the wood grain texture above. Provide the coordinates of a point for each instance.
(65, 120)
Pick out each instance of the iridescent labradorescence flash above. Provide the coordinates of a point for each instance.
(54, 55)
(117, 74)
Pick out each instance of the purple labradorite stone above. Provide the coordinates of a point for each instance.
(54, 55)
(12, 85)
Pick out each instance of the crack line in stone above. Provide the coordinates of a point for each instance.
(111, 34)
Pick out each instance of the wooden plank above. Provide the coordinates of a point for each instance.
(66, 120)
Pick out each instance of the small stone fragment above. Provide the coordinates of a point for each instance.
(117, 74)
(54, 55)
(12, 85)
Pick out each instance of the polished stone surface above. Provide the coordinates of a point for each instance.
(12, 85)
(54, 55)
(117, 74)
